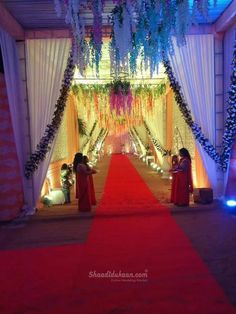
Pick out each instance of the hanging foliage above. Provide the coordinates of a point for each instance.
(120, 97)
(95, 43)
(98, 143)
(135, 132)
(134, 139)
(89, 136)
(159, 147)
(116, 117)
(82, 127)
(139, 28)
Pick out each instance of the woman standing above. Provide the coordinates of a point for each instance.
(184, 183)
(82, 183)
(173, 171)
(91, 185)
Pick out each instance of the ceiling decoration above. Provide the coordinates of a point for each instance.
(142, 28)
(119, 105)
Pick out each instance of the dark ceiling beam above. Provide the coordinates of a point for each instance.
(47, 33)
(10, 25)
(227, 19)
(106, 30)
(61, 33)
(200, 29)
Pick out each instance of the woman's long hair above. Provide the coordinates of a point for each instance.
(183, 152)
(78, 159)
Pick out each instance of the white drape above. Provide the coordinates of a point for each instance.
(46, 62)
(15, 96)
(229, 40)
(193, 67)
(157, 124)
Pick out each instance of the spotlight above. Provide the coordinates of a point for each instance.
(231, 203)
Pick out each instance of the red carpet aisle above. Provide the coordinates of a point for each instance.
(62, 279)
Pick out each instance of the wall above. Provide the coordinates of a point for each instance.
(11, 192)
(28, 183)
(118, 144)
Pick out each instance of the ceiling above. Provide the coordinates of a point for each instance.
(41, 13)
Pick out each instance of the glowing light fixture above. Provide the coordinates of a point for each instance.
(231, 203)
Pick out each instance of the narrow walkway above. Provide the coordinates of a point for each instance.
(135, 260)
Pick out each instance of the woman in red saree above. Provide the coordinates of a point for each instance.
(173, 171)
(82, 183)
(91, 185)
(184, 183)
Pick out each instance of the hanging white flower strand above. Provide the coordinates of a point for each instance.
(74, 17)
(139, 28)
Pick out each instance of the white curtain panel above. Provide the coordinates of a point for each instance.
(46, 61)
(229, 40)
(157, 124)
(193, 67)
(15, 95)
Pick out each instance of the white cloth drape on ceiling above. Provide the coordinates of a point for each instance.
(193, 67)
(45, 63)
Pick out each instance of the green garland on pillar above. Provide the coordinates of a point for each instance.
(89, 136)
(137, 135)
(157, 143)
(98, 140)
(187, 115)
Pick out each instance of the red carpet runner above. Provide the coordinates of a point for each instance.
(130, 239)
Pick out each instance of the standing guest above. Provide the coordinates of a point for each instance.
(173, 171)
(66, 182)
(82, 183)
(77, 158)
(184, 183)
(91, 185)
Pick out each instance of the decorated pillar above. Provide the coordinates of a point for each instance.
(169, 119)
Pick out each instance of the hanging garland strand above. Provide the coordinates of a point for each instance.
(51, 130)
(140, 140)
(156, 142)
(230, 123)
(134, 139)
(103, 139)
(136, 142)
(141, 29)
(183, 107)
(89, 136)
(98, 140)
